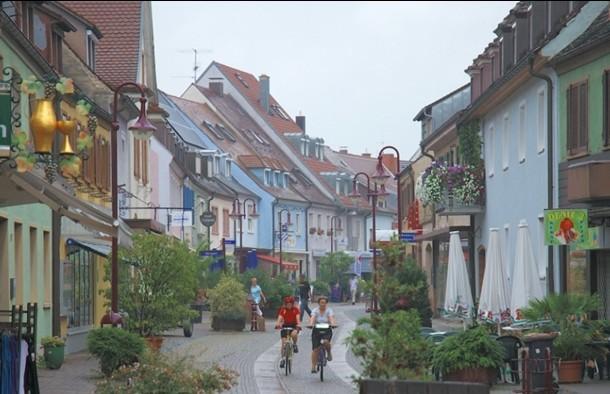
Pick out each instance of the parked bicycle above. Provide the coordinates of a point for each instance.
(323, 329)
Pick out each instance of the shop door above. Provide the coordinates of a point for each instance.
(603, 281)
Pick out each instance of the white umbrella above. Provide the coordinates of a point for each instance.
(458, 296)
(526, 285)
(494, 302)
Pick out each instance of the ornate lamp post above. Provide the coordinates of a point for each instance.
(373, 195)
(382, 177)
(141, 129)
(333, 223)
(237, 214)
(281, 230)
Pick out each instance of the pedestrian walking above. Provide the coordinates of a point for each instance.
(304, 295)
(353, 288)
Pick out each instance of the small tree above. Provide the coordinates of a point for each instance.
(334, 268)
(158, 283)
(391, 347)
(402, 284)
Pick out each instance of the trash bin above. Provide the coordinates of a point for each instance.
(537, 363)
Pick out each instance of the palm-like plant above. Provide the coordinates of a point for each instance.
(562, 307)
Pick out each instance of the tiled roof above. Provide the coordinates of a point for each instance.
(249, 87)
(118, 51)
(598, 32)
(319, 166)
(253, 161)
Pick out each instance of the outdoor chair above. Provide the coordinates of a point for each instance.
(511, 345)
(426, 331)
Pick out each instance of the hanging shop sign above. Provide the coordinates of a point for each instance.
(599, 238)
(5, 119)
(566, 226)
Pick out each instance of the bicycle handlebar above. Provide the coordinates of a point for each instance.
(330, 326)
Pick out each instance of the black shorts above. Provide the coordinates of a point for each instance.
(318, 334)
(284, 333)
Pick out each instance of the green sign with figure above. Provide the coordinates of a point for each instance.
(566, 226)
(5, 119)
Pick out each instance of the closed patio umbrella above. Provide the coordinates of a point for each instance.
(526, 285)
(458, 295)
(494, 303)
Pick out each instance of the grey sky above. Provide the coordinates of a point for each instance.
(359, 71)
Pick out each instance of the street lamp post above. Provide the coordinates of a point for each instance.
(381, 177)
(238, 214)
(332, 233)
(141, 129)
(279, 220)
(373, 195)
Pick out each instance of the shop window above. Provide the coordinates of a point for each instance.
(78, 286)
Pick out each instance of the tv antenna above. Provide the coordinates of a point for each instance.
(195, 52)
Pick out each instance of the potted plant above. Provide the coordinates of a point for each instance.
(469, 356)
(571, 349)
(227, 305)
(312, 231)
(187, 328)
(53, 351)
(320, 231)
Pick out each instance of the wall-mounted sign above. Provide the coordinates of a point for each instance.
(5, 119)
(566, 226)
(207, 218)
(181, 218)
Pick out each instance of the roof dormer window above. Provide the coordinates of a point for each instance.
(228, 168)
(222, 130)
(91, 48)
(286, 180)
(267, 177)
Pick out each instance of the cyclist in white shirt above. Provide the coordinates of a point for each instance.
(322, 314)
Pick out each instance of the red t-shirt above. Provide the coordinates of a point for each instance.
(290, 315)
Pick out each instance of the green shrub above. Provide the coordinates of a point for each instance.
(49, 342)
(228, 299)
(334, 268)
(472, 348)
(402, 284)
(275, 289)
(114, 347)
(320, 288)
(571, 343)
(159, 374)
(391, 347)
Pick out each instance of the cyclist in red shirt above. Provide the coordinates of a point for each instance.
(289, 316)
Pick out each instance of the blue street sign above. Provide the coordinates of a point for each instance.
(210, 253)
(407, 237)
(376, 251)
(229, 242)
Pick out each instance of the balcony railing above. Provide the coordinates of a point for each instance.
(450, 206)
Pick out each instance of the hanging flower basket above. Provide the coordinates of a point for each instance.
(450, 185)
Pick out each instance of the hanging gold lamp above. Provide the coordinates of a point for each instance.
(66, 127)
(43, 123)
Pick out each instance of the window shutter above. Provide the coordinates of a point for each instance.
(571, 120)
(584, 116)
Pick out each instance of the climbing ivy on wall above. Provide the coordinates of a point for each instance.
(470, 143)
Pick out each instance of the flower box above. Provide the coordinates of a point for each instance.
(312, 231)
(320, 231)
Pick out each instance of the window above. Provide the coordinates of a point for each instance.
(225, 223)
(259, 138)
(216, 165)
(213, 130)
(10, 10)
(250, 225)
(248, 134)
(277, 179)
(490, 162)
(328, 223)
(345, 188)
(578, 122)
(606, 110)
(34, 271)
(505, 142)
(267, 177)
(286, 180)
(55, 55)
(338, 186)
(522, 134)
(541, 123)
(310, 221)
(228, 168)
(78, 279)
(319, 221)
(91, 47)
(215, 225)
(225, 132)
(242, 80)
(297, 223)
(39, 33)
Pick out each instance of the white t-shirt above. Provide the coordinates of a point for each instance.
(353, 284)
(322, 317)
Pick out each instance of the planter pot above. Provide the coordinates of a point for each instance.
(474, 375)
(54, 356)
(187, 328)
(154, 343)
(570, 371)
(223, 324)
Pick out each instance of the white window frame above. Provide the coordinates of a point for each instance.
(277, 178)
(198, 165)
(228, 168)
(297, 223)
(286, 180)
(542, 249)
(216, 165)
(522, 137)
(267, 177)
(505, 141)
(491, 150)
(91, 52)
(338, 186)
(541, 120)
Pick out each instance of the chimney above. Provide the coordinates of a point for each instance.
(264, 91)
(343, 150)
(216, 86)
(366, 155)
(508, 47)
(389, 160)
(539, 21)
(300, 119)
(522, 32)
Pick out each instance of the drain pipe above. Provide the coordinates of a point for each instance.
(549, 152)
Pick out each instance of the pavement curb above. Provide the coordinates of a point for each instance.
(339, 365)
(265, 373)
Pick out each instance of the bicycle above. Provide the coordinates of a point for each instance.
(288, 349)
(322, 348)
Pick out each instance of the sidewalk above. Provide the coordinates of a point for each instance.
(587, 387)
(77, 375)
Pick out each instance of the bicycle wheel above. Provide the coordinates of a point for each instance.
(321, 362)
(289, 365)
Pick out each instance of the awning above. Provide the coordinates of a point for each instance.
(290, 266)
(97, 248)
(62, 202)
(440, 233)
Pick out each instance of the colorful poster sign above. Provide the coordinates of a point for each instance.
(566, 226)
(592, 241)
(5, 119)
